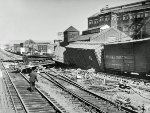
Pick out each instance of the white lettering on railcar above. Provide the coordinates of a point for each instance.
(113, 57)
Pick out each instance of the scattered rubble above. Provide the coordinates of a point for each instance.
(124, 92)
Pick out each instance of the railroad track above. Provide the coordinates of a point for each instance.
(10, 57)
(3, 56)
(25, 101)
(95, 102)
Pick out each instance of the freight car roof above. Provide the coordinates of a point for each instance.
(84, 46)
(124, 8)
(132, 41)
(87, 42)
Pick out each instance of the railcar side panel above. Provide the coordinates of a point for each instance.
(142, 56)
(128, 57)
(82, 57)
(119, 57)
(85, 58)
(85, 54)
(113, 55)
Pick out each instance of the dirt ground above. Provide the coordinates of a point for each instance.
(138, 95)
(65, 100)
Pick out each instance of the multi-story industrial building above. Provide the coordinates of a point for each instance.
(133, 19)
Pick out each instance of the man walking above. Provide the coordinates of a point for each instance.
(32, 79)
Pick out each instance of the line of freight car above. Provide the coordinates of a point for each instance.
(12, 56)
(129, 56)
(133, 56)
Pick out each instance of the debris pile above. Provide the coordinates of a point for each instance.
(122, 91)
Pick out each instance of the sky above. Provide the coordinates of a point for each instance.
(43, 19)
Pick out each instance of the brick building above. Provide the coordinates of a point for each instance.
(133, 19)
(69, 34)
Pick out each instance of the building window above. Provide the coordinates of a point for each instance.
(102, 18)
(90, 22)
(120, 28)
(148, 31)
(138, 26)
(148, 25)
(125, 28)
(96, 21)
(131, 33)
(107, 18)
(132, 16)
(125, 17)
(140, 15)
(147, 14)
(118, 18)
(132, 27)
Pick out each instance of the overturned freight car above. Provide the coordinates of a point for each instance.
(85, 55)
(129, 56)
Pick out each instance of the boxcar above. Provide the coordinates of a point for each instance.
(85, 55)
(131, 56)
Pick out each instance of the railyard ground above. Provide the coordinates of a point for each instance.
(66, 101)
(99, 83)
(106, 86)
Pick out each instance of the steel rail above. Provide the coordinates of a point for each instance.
(10, 96)
(79, 86)
(54, 106)
(25, 108)
(51, 102)
(57, 109)
(75, 95)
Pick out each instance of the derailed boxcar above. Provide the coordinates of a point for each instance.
(130, 56)
(86, 55)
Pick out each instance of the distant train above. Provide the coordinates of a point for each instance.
(129, 56)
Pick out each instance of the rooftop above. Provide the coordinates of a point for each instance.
(85, 45)
(131, 41)
(125, 8)
(71, 28)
